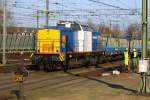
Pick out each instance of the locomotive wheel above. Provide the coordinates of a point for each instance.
(41, 66)
(70, 65)
(52, 67)
(46, 67)
(64, 67)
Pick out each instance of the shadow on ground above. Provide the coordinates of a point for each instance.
(112, 85)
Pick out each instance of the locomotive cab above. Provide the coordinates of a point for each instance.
(54, 44)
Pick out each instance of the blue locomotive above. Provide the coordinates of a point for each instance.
(67, 44)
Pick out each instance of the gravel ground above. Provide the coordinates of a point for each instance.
(64, 86)
(95, 88)
(77, 84)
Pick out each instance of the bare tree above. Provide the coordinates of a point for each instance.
(105, 30)
(116, 32)
(134, 30)
(92, 25)
(113, 32)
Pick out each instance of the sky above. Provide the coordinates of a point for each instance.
(116, 12)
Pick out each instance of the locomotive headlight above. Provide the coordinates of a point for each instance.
(70, 56)
(57, 50)
(38, 50)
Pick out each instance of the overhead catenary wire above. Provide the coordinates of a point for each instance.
(109, 5)
(123, 4)
(72, 9)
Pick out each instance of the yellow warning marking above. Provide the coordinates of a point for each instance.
(18, 78)
(61, 57)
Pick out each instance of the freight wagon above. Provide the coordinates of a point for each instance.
(66, 45)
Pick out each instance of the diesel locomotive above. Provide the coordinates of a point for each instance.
(66, 45)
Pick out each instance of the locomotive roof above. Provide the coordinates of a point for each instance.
(58, 28)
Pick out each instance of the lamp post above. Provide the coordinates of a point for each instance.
(4, 31)
(47, 12)
(143, 85)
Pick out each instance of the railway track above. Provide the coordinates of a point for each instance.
(41, 81)
(32, 84)
(38, 84)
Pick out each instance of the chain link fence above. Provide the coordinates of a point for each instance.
(17, 42)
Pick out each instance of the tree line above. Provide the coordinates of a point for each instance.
(133, 30)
